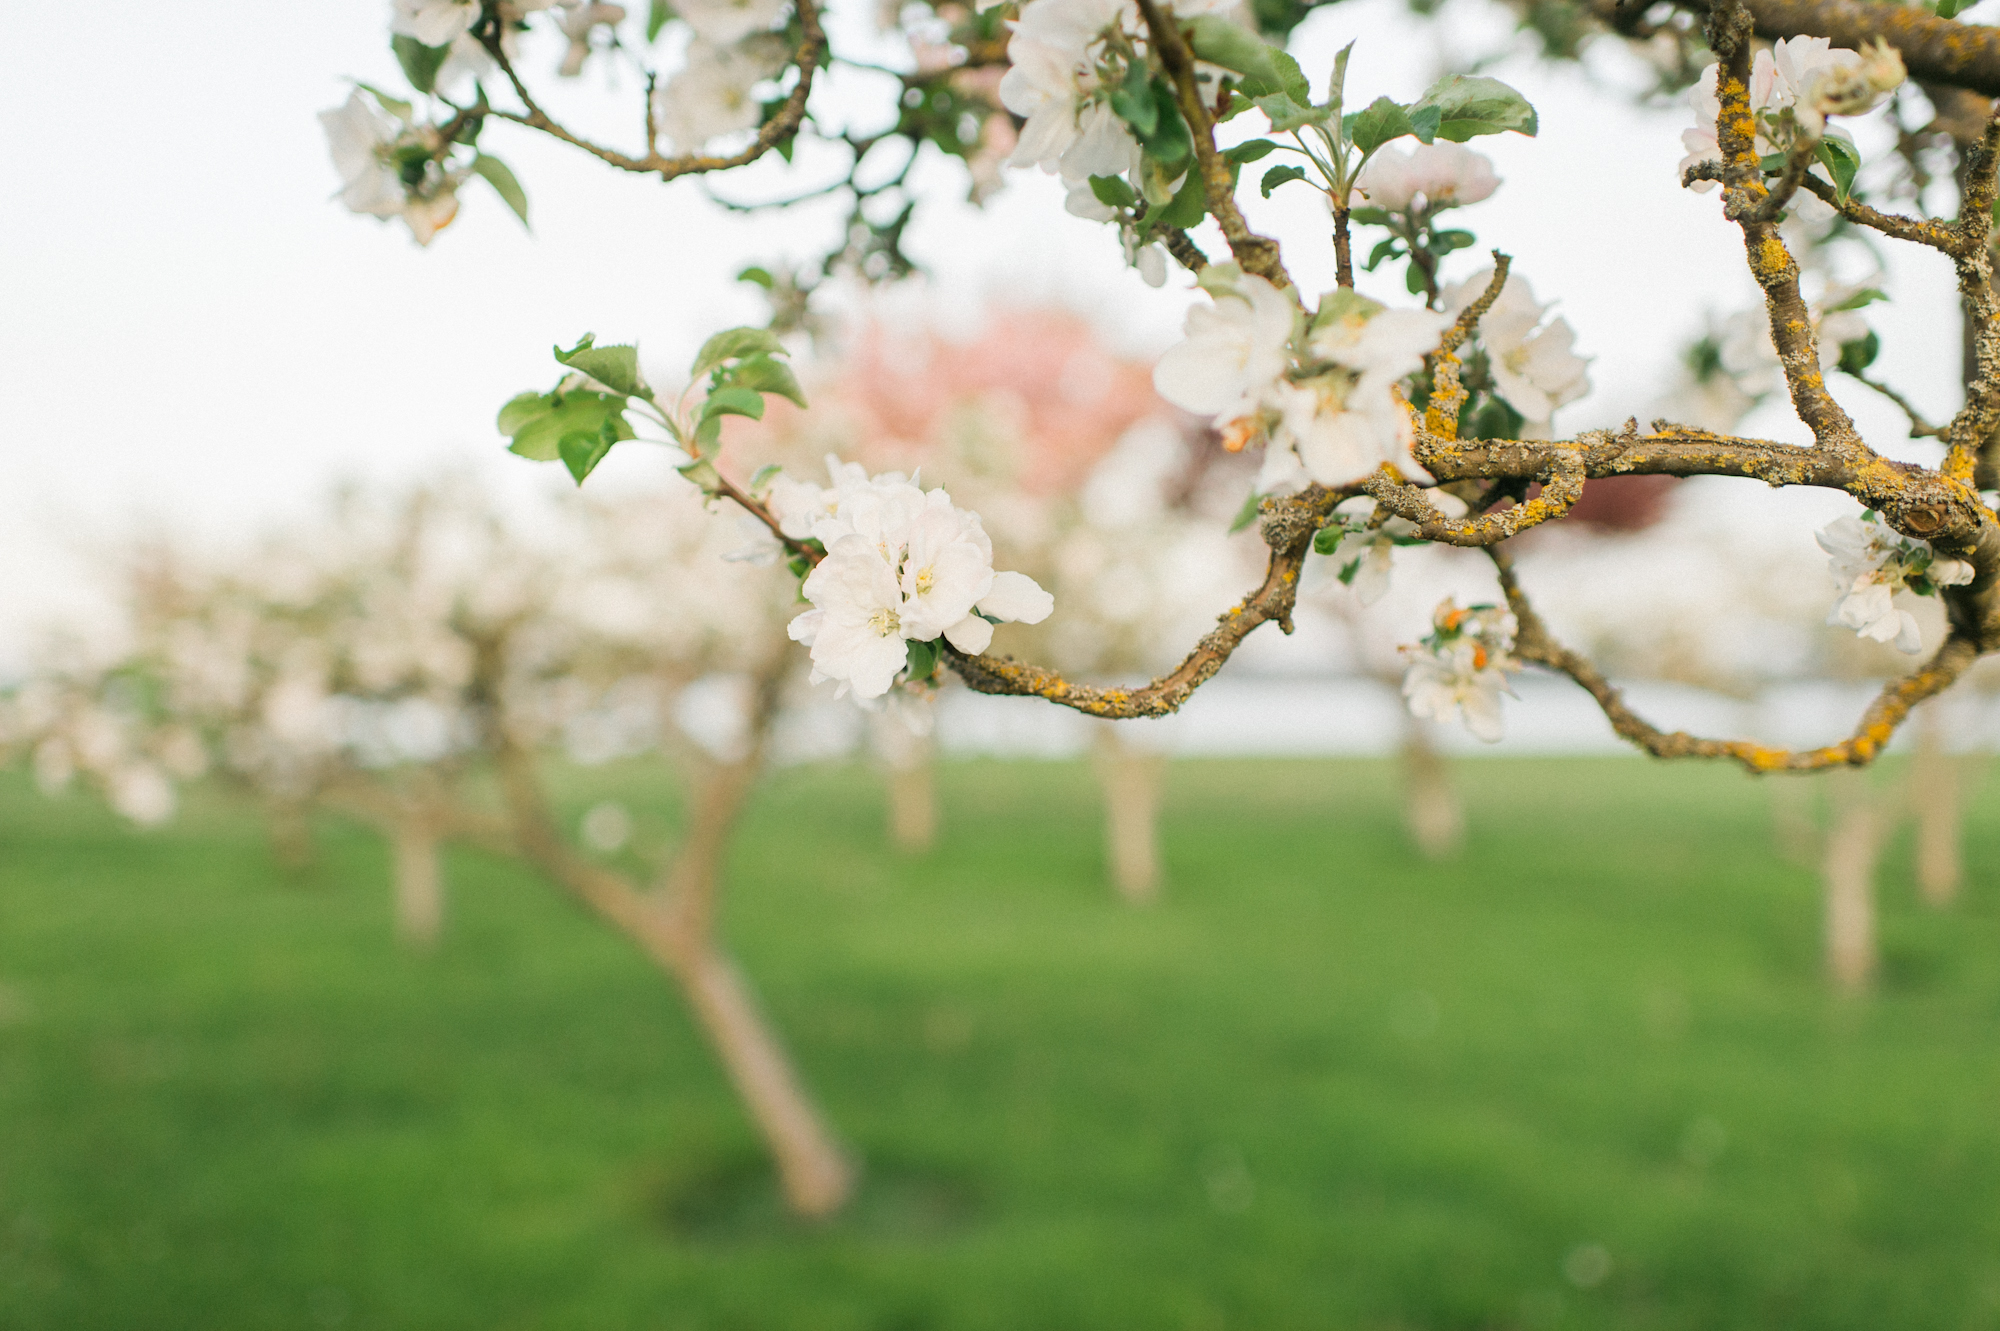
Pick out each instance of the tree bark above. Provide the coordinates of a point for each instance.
(675, 925)
(1432, 811)
(1853, 849)
(1130, 780)
(908, 761)
(419, 871)
(1937, 802)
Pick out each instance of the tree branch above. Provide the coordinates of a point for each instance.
(1934, 50)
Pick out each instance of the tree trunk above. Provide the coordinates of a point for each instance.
(1130, 780)
(1853, 848)
(674, 924)
(910, 762)
(292, 845)
(419, 870)
(1432, 811)
(1937, 800)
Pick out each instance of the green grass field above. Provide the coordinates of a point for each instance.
(1587, 1076)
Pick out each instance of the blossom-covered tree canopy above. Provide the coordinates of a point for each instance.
(1374, 425)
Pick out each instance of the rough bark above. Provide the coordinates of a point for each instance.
(419, 871)
(1432, 811)
(1853, 850)
(1130, 780)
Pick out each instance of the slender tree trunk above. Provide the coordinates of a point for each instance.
(1853, 849)
(909, 762)
(1130, 779)
(419, 870)
(1432, 811)
(674, 924)
(292, 845)
(1937, 800)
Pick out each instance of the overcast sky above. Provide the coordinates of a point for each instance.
(195, 334)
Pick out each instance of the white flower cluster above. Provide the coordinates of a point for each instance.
(733, 51)
(1067, 57)
(1427, 178)
(391, 168)
(1323, 393)
(1870, 564)
(1460, 670)
(1794, 86)
(1533, 364)
(903, 566)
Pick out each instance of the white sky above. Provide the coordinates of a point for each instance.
(195, 333)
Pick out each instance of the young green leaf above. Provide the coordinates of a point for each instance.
(1287, 114)
(734, 344)
(1186, 209)
(761, 276)
(1861, 299)
(1469, 105)
(1336, 83)
(1246, 514)
(656, 18)
(1133, 101)
(1112, 191)
(1291, 79)
(1859, 354)
(420, 63)
(1225, 42)
(617, 367)
(581, 451)
(495, 173)
(1841, 161)
(1387, 249)
(733, 402)
(395, 106)
(1381, 122)
(538, 422)
(763, 374)
(1949, 8)
(1170, 141)
(1249, 150)
(923, 658)
(1277, 176)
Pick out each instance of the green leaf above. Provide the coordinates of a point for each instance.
(1383, 121)
(1170, 142)
(1388, 249)
(1859, 354)
(420, 63)
(656, 18)
(733, 402)
(1187, 207)
(734, 344)
(763, 374)
(923, 658)
(767, 473)
(1246, 514)
(582, 451)
(1291, 79)
(1948, 8)
(1133, 101)
(1112, 191)
(1250, 150)
(495, 173)
(1222, 41)
(1841, 161)
(1336, 83)
(1369, 216)
(1278, 175)
(1327, 539)
(1424, 121)
(616, 367)
(1287, 114)
(538, 422)
(395, 106)
(1469, 105)
(1444, 242)
(761, 276)
(1413, 280)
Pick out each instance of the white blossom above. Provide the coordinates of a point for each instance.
(359, 137)
(1534, 369)
(1365, 556)
(1234, 351)
(721, 22)
(1870, 564)
(433, 22)
(712, 95)
(1053, 83)
(902, 566)
(579, 24)
(1430, 176)
(1460, 670)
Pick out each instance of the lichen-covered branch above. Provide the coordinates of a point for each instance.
(1958, 55)
(1878, 724)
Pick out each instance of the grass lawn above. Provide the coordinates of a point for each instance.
(1586, 1076)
